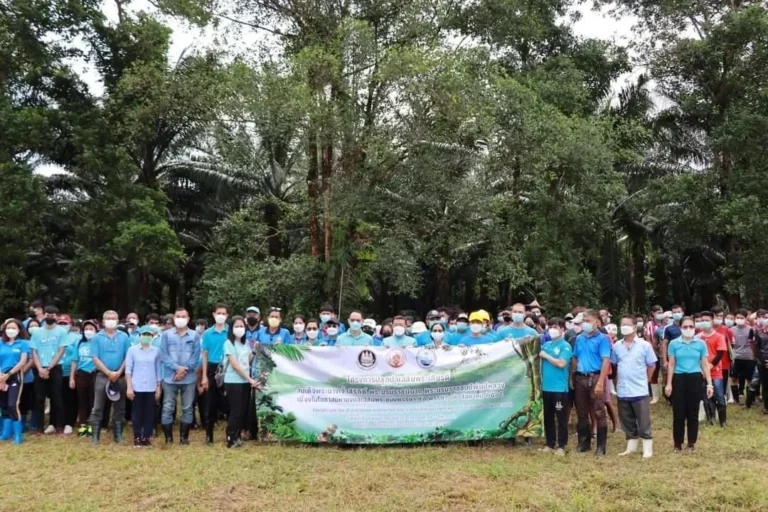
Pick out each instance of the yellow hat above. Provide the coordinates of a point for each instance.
(486, 317)
(476, 316)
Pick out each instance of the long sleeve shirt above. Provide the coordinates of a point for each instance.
(143, 365)
(179, 351)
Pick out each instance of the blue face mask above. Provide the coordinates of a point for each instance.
(355, 325)
(518, 317)
(706, 325)
(677, 316)
(325, 318)
(452, 328)
(462, 326)
(587, 327)
(430, 323)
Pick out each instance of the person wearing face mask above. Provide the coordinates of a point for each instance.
(573, 332)
(718, 321)
(517, 329)
(462, 329)
(212, 353)
(437, 335)
(48, 344)
(369, 327)
(36, 313)
(180, 356)
(717, 351)
(142, 375)
(132, 326)
(312, 330)
(27, 404)
(238, 382)
(635, 360)
(687, 363)
(398, 338)
(504, 320)
(328, 314)
(82, 375)
(274, 333)
(671, 331)
(384, 332)
(252, 325)
(555, 357)
(108, 350)
(299, 335)
(69, 394)
(355, 337)
(424, 337)
(14, 352)
(761, 353)
(744, 357)
(476, 335)
(590, 364)
(330, 337)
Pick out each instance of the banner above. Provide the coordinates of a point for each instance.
(379, 395)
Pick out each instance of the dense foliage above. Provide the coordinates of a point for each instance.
(383, 155)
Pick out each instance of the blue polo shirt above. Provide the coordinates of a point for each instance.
(554, 379)
(280, 336)
(10, 354)
(632, 367)
(350, 340)
(213, 343)
(398, 341)
(110, 350)
(423, 339)
(252, 335)
(46, 343)
(469, 340)
(70, 353)
(516, 333)
(687, 354)
(671, 332)
(300, 340)
(84, 358)
(589, 352)
(179, 351)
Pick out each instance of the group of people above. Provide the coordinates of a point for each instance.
(85, 369)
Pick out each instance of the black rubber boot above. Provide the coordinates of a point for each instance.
(96, 427)
(117, 431)
(722, 415)
(585, 439)
(209, 433)
(602, 441)
(184, 433)
(709, 411)
(735, 393)
(168, 431)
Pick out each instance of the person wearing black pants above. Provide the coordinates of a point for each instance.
(556, 358)
(212, 356)
(49, 387)
(143, 385)
(237, 381)
(687, 362)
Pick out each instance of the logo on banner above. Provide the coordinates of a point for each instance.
(396, 358)
(426, 358)
(366, 359)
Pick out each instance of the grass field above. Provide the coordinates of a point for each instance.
(729, 471)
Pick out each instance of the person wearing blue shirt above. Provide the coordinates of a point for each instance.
(355, 337)
(328, 319)
(476, 335)
(108, 350)
(299, 335)
(398, 338)
(274, 333)
(253, 325)
(555, 367)
(214, 339)
(517, 329)
(180, 357)
(688, 360)
(69, 394)
(424, 338)
(82, 376)
(238, 382)
(591, 361)
(330, 334)
(27, 403)
(13, 357)
(462, 329)
(635, 361)
(47, 344)
(142, 375)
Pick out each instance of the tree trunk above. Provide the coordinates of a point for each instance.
(660, 281)
(443, 286)
(272, 214)
(327, 170)
(313, 194)
(638, 275)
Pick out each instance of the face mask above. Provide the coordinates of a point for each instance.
(763, 321)
(688, 332)
(484, 329)
(452, 328)
(11, 333)
(200, 329)
(659, 317)
(438, 336)
(110, 324)
(698, 325)
(89, 334)
(717, 321)
(273, 322)
(398, 330)
(554, 333)
(50, 321)
(312, 333)
(500, 318)
(298, 328)
(220, 319)
(145, 340)
(569, 325)
(332, 331)
(325, 318)
(462, 326)
(640, 325)
(626, 330)
(430, 323)
(518, 317)
(369, 330)
(408, 330)
(355, 325)
(739, 321)
(706, 325)
(239, 332)
(180, 323)
(475, 328)
(386, 334)
(577, 328)
(587, 327)
(33, 329)
(252, 321)
(677, 316)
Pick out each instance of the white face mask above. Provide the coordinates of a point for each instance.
(220, 319)
(89, 333)
(239, 332)
(569, 325)
(688, 332)
(398, 330)
(33, 329)
(312, 334)
(200, 329)
(11, 332)
(438, 336)
(717, 321)
(298, 328)
(626, 330)
(180, 323)
(333, 331)
(739, 321)
(110, 324)
(554, 333)
(475, 328)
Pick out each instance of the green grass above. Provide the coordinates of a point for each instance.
(728, 472)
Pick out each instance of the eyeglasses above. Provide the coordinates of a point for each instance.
(273, 309)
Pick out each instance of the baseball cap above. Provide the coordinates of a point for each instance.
(433, 314)
(64, 320)
(369, 322)
(477, 316)
(113, 392)
(147, 329)
(578, 318)
(462, 316)
(332, 321)
(486, 317)
(418, 327)
(253, 309)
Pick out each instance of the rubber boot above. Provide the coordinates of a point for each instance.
(632, 445)
(18, 432)
(209, 433)
(655, 394)
(24, 423)
(721, 415)
(585, 439)
(231, 439)
(168, 431)
(602, 440)
(735, 393)
(709, 409)
(7, 429)
(96, 427)
(647, 448)
(184, 433)
(117, 431)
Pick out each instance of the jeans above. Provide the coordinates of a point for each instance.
(719, 395)
(686, 397)
(556, 408)
(50, 387)
(635, 418)
(143, 414)
(170, 391)
(100, 399)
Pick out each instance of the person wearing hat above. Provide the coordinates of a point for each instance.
(355, 337)
(252, 325)
(327, 313)
(82, 374)
(423, 336)
(517, 330)
(369, 326)
(462, 329)
(48, 344)
(534, 308)
(398, 338)
(108, 350)
(143, 384)
(476, 336)
(14, 352)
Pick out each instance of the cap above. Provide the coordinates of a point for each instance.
(433, 314)
(113, 392)
(332, 321)
(462, 316)
(418, 327)
(477, 316)
(534, 304)
(253, 309)
(569, 316)
(486, 317)
(667, 314)
(369, 322)
(578, 318)
(147, 329)
(64, 320)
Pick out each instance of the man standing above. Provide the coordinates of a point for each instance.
(517, 329)
(717, 351)
(555, 366)
(48, 344)
(744, 355)
(355, 337)
(398, 338)
(253, 325)
(424, 338)
(214, 339)
(761, 353)
(180, 356)
(37, 312)
(635, 362)
(327, 314)
(590, 364)
(108, 350)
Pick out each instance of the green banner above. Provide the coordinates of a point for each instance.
(378, 395)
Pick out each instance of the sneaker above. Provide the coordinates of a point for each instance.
(50, 429)
(690, 448)
(67, 430)
(546, 449)
(82, 431)
(560, 452)
(146, 443)
(678, 449)
(137, 443)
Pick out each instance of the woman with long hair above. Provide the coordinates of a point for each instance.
(82, 375)
(14, 352)
(237, 381)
